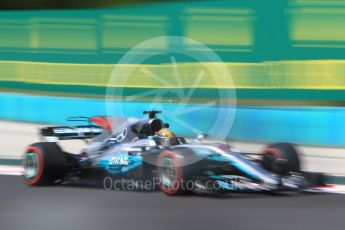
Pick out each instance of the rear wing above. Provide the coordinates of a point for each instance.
(71, 132)
(96, 125)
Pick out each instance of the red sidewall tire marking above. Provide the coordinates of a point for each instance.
(177, 184)
(273, 152)
(39, 155)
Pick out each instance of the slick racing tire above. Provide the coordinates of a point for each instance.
(281, 158)
(44, 164)
(175, 169)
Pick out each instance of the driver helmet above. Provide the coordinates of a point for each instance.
(165, 133)
(167, 138)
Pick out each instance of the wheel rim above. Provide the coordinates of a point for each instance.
(31, 165)
(167, 172)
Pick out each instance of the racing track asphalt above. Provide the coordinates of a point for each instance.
(72, 207)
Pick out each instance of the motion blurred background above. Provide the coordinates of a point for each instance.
(286, 58)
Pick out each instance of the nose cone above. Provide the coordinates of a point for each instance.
(294, 181)
(272, 183)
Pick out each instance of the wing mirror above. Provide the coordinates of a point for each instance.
(200, 137)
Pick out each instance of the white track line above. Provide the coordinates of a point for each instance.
(331, 188)
(11, 170)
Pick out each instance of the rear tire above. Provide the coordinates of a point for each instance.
(281, 158)
(44, 164)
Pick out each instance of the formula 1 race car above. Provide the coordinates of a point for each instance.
(145, 149)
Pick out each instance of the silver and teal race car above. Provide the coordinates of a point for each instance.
(145, 154)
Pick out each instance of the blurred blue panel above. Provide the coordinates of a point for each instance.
(319, 126)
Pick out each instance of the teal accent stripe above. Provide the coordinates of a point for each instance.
(15, 162)
(335, 179)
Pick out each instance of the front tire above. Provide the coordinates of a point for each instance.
(175, 170)
(44, 164)
(281, 158)
(170, 173)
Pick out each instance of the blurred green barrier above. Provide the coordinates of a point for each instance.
(275, 50)
(238, 30)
